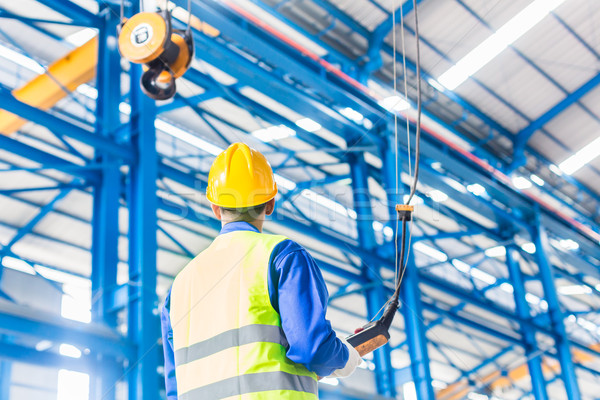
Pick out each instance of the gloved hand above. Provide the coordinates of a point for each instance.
(354, 361)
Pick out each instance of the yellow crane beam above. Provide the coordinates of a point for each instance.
(62, 77)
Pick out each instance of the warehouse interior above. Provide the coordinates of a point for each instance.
(102, 188)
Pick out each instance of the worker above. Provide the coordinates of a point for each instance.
(245, 319)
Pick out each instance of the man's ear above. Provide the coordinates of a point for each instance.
(216, 210)
(270, 207)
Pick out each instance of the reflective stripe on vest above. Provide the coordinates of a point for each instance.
(227, 337)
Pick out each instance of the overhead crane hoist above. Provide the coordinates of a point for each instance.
(165, 53)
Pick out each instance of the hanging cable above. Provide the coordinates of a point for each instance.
(418, 127)
(376, 333)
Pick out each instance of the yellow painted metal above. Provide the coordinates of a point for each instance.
(498, 381)
(63, 76)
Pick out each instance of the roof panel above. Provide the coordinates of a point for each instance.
(550, 46)
(520, 84)
(449, 27)
(574, 127)
(491, 106)
(362, 11)
(582, 17)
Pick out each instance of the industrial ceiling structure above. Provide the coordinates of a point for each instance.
(102, 189)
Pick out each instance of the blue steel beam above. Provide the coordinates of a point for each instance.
(59, 125)
(534, 359)
(523, 136)
(22, 354)
(18, 321)
(78, 14)
(106, 196)
(540, 240)
(143, 324)
(5, 377)
(27, 228)
(411, 298)
(379, 35)
(267, 85)
(16, 147)
(384, 377)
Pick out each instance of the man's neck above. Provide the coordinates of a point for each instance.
(257, 223)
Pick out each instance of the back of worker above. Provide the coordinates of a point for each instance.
(223, 332)
(241, 346)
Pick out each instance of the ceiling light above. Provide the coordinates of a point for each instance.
(497, 42)
(394, 103)
(90, 92)
(532, 298)
(574, 290)
(18, 265)
(461, 266)
(586, 324)
(21, 60)
(352, 114)
(436, 84)
(497, 251)
(507, 287)
(284, 182)
(483, 276)
(187, 137)
(521, 182)
(477, 396)
(273, 133)
(377, 226)
(430, 251)
(537, 180)
(82, 36)
(528, 247)
(388, 232)
(569, 244)
(308, 124)
(437, 166)
(555, 169)
(438, 384)
(476, 189)
(328, 203)
(438, 196)
(459, 187)
(43, 345)
(581, 158)
(416, 200)
(69, 350)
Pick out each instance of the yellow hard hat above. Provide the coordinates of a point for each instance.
(240, 177)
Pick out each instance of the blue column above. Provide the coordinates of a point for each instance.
(143, 326)
(556, 315)
(384, 373)
(530, 344)
(409, 293)
(105, 218)
(5, 379)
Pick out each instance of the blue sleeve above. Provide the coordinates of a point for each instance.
(167, 339)
(298, 293)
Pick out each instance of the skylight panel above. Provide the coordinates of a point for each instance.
(497, 42)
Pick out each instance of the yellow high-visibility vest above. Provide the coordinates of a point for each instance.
(227, 336)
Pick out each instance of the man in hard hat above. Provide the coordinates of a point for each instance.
(245, 319)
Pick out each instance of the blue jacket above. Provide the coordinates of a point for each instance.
(293, 274)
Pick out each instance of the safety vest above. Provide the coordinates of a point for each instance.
(227, 336)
